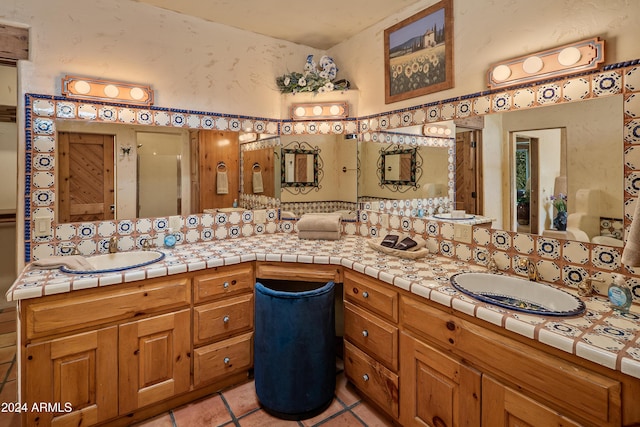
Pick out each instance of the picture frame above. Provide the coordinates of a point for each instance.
(418, 54)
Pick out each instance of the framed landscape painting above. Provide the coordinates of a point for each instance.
(418, 53)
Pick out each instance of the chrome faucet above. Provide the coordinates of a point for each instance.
(113, 245)
(530, 266)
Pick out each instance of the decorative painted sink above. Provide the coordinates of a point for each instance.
(518, 294)
(118, 261)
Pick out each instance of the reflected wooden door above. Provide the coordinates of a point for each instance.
(469, 172)
(86, 177)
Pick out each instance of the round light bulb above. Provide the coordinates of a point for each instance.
(569, 56)
(334, 110)
(501, 73)
(532, 64)
(111, 91)
(447, 131)
(440, 131)
(317, 110)
(299, 111)
(136, 93)
(81, 87)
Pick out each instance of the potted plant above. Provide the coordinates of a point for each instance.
(560, 204)
(522, 207)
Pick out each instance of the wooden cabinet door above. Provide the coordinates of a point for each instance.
(76, 375)
(154, 359)
(436, 389)
(503, 406)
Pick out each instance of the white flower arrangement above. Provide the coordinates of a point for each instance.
(317, 78)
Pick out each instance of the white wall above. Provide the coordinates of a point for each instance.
(487, 32)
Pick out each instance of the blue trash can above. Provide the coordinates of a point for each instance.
(294, 348)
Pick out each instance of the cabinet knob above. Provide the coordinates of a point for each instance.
(365, 294)
(225, 319)
(225, 285)
(365, 377)
(365, 333)
(226, 360)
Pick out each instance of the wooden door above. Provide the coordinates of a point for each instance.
(505, 407)
(436, 389)
(154, 359)
(80, 370)
(86, 177)
(469, 171)
(215, 147)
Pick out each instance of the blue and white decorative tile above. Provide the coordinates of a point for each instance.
(420, 115)
(575, 252)
(43, 162)
(178, 120)
(193, 121)
(222, 123)
(501, 240)
(605, 257)
(125, 227)
(433, 229)
(463, 252)
(573, 275)
(160, 224)
(448, 111)
(549, 271)
(259, 229)
(548, 94)
(126, 115)
(406, 223)
(576, 89)
(632, 105)
(43, 107)
(221, 219)
(626, 321)
(192, 236)
(632, 183)
(632, 157)
(384, 122)
(501, 102)
(44, 144)
(221, 233)
(614, 332)
(87, 231)
(106, 229)
(287, 128)
(563, 329)
(259, 126)
(482, 105)
(208, 122)
(107, 114)
(548, 248)
(66, 231)
(144, 225)
(235, 218)
(481, 236)
(66, 110)
(523, 98)
(42, 198)
(43, 179)
(433, 114)
(192, 221)
(632, 132)
(312, 128)
(523, 243)
(374, 124)
(144, 117)
(161, 118)
(300, 128)
(464, 108)
(44, 126)
(446, 248)
(632, 79)
(247, 216)
(272, 215)
(395, 120)
(207, 234)
(406, 118)
(247, 230)
(87, 112)
(234, 125)
(338, 128)
(607, 83)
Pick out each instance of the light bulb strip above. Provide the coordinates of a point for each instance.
(104, 90)
(319, 110)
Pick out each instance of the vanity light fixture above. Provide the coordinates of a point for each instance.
(436, 131)
(104, 90)
(559, 61)
(319, 111)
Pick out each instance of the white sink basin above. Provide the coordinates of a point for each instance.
(118, 261)
(518, 294)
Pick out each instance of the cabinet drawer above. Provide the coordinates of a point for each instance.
(222, 282)
(365, 292)
(371, 334)
(373, 379)
(222, 318)
(73, 311)
(215, 361)
(298, 272)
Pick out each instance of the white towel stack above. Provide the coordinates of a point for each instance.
(222, 182)
(320, 226)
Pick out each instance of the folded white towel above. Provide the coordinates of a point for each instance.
(320, 222)
(631, 253)
(222, 184)
(257, 182)
(72, 262)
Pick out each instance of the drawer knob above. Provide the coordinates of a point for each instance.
(365, 294)
(225, 285)
(225, 319)
(226, 360)
(365, 333)
(365, 377)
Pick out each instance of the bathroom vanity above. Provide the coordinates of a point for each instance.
(122, 352)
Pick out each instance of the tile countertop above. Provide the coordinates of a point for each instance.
(603, 336)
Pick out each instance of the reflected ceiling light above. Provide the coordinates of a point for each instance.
(436, 131)
(578, 57)
(319, 111)
(104, 90)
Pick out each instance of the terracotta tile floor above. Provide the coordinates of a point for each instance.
(237, 406)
